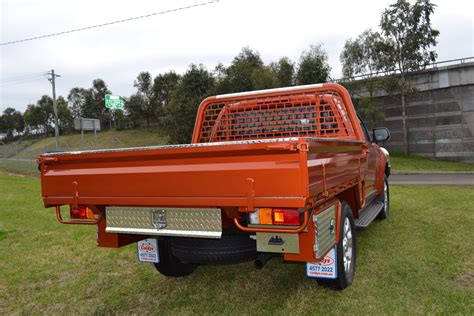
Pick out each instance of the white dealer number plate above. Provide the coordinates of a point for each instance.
(325, 269)
(148, 250)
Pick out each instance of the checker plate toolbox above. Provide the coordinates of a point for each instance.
(188, 222)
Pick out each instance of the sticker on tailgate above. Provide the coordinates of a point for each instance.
(148, 250)
(325, 269)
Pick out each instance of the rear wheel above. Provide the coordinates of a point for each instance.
(169, 264)
(345, 252)
(227, 249)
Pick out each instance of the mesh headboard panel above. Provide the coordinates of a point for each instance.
(297, 115)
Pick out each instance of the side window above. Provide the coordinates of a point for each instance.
(364, 130)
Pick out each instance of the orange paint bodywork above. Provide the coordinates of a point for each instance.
(288, 172)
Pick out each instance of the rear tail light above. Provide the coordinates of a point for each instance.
(81, 212)
(275, 216)
(286, 216)
(265, 216)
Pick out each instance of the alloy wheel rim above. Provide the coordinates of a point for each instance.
(347, 244)
(385, 198)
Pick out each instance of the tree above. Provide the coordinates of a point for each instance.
(97, 103)
(65, 118)
(408, 38)
(360, 57)
(11, 121)
(144, 86)
(313, 66)
(133, 107)
(34, 119)
(90, 103)
(239, 74)
(163, 87)
(195, 85)
(264, 78)
(77, 99)
(222, 82)
(45, 105)
(285, 71)
(3, 125)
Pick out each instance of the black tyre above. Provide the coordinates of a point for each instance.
(228, 249)
(345, 252)
(385, 199)
(170, 265)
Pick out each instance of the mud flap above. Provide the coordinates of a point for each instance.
(326, 268)
(148, 250)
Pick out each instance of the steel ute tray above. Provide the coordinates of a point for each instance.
(199, 175)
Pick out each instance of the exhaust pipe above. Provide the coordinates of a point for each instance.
(262, 259)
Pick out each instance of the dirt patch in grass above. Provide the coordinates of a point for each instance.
(12, 174)
(466, 279)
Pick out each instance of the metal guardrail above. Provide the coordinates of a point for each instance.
(458, 61)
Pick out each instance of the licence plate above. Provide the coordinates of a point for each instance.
(148, 250)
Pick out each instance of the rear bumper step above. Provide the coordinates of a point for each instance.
(164, 232)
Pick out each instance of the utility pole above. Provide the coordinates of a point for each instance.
(52, 79)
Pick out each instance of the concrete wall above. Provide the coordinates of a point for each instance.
(440, 115)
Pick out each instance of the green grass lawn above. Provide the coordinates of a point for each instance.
(416, 164)
(420, 261)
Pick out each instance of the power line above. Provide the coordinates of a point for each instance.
(20, 82)
(24, 75)
(109, 23)
(21, 78)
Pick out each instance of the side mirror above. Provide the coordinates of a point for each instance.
(381, 134)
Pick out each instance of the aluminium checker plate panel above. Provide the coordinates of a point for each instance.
(161, 221)
(324, 231)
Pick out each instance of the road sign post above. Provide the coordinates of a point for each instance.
(113, 102)
(87, 124)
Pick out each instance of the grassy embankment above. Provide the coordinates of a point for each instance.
(420, 261)
(24, 161)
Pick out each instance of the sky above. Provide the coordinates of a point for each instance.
(203, 35)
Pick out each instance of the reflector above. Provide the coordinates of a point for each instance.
(79, 212)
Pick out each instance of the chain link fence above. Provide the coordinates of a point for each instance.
(20, 157)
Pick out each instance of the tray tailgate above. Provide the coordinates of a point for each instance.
(194, 176)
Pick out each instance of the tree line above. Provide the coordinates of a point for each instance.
(170, 100)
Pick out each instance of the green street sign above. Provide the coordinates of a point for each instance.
(113, 101)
